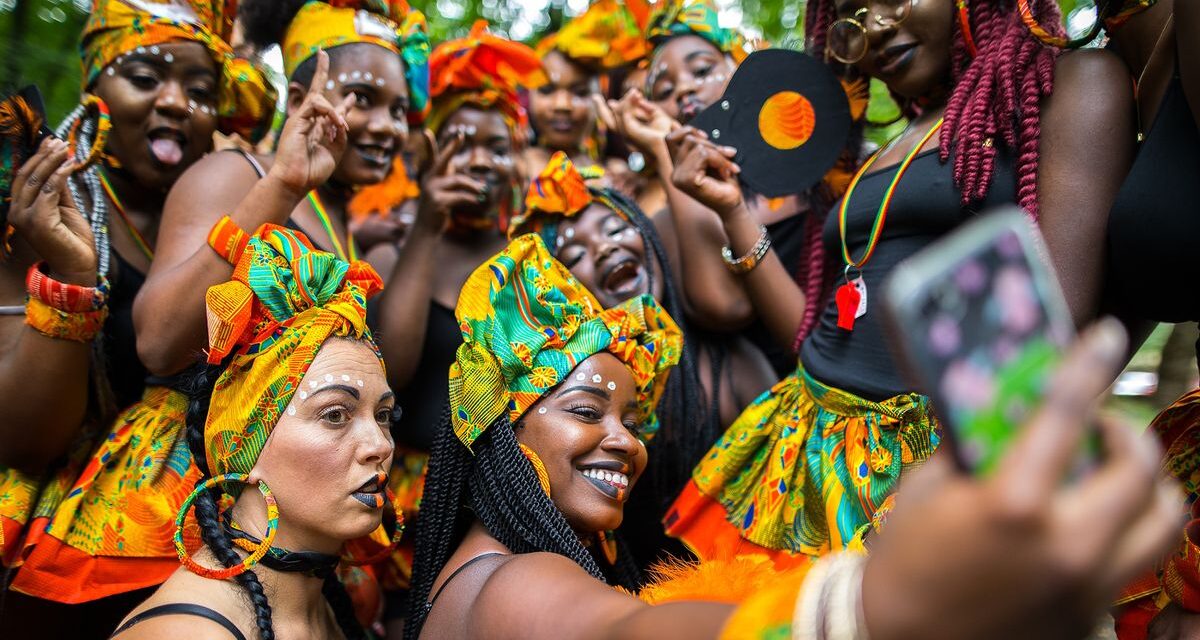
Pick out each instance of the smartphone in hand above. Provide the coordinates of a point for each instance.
(979, 323)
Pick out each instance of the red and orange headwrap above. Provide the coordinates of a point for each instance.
(484, 70)
(606, 36)
(284, 300)
(245, 98)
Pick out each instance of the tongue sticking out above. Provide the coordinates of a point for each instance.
(166, 150)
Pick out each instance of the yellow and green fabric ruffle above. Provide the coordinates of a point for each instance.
(806, 466)
(245, 98)
(391, 24)
(526, 323)
(560, 192)
(284, 300)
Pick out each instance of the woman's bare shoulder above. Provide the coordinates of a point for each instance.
(184, 587)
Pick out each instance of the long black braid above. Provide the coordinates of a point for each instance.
(497, 486)
(199, 391)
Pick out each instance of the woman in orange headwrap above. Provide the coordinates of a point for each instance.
(467, 198)
(159, 78)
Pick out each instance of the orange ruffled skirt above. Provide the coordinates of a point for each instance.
(108, 529)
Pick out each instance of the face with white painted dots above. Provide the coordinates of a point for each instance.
(378, 117)
(163, 104)
(585, 433)
(328, 457)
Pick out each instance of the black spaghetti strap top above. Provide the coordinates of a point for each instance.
(452, 576)
(926, 206)
(181, 609)
(125, 371)
(427, 394)
(1152, 228)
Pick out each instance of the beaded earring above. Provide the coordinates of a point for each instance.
(538, 467)
(608, 545)
(255, 555)
(103, 124)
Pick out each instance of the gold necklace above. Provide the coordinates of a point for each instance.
(1137, 86)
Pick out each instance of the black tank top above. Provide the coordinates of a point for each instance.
(424, 398)
(925, 207)
(1152, 229)
(126, 373)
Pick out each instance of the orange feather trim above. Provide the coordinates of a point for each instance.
(732, 580)
(384, 197)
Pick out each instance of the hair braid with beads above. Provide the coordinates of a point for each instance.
(498, 486)
(996, 96)
(199, 391)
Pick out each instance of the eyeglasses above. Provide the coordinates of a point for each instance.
(847, 38)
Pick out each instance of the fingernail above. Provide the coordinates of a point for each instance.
(731, 149)
(1107, 339)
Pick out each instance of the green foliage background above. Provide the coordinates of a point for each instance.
(38, 38)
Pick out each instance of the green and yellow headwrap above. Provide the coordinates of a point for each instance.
(526, 323)
(285, 299)
(606, 36)
(245, 99)
(695, 17)
(559, 192)
(390, 24)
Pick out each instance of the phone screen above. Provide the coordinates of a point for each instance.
(984, 325)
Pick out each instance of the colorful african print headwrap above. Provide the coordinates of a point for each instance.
(560, 191)
(526, 323)
(245, 99)
(695, 17)
(285, 299)
(390, 24)
(484, 70)
(606, 36)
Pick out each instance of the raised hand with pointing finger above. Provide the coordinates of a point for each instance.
(314, 138)
(444, 190)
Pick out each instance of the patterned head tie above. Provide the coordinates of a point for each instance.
(698, 18)
(606, 36)
(115, 28)
(482, 70)
(284, 300)
(526, 323)
(560, 192)
(391, 24)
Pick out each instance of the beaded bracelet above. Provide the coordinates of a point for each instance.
(71, 298)
(79, 326)
(829, 606)
(228, 240)
(746, 263)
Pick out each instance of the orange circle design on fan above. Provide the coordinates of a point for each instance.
(786, 120)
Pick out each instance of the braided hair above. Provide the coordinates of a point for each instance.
(497, 486)
(997, 94)
(199, 390)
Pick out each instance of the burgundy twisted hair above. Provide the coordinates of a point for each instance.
(997, 94)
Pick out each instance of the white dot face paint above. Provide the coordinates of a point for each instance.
(312, 384)
(356, 75)
(291, 411)
(379, 82)
(169, 58)
(358, 382)
(141, 49)
(345, 378)
(303, 395)
(542, 410)
(368, 76)
(155, 50)
(580, 377)
(612, 386)
(328, 377)
(111, 71)
(329, 85)
(597, 379)
(342, 77)
(569, 232)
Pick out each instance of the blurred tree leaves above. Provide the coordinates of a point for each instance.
(38, 37)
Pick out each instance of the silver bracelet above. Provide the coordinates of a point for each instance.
(829, 606)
